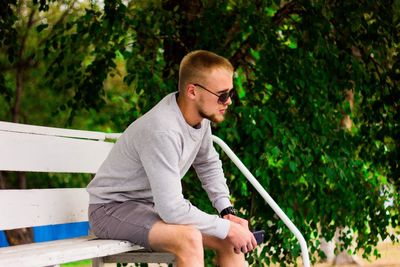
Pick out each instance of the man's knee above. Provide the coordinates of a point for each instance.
(189, 246)
(190, 238)
(178, 239)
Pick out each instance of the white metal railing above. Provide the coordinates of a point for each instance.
(267, 197)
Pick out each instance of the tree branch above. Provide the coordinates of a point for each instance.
(58, 22)
(21, 70)
(285, 11)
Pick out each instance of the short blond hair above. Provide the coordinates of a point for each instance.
(197, 64)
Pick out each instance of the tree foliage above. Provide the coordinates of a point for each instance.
(101, 66)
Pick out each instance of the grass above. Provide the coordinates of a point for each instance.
(84, 263)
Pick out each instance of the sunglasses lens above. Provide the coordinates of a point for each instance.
(224, 97)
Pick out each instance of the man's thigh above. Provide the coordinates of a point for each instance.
(130, 220)
(174, 237)
(178, 238)
(167, 237)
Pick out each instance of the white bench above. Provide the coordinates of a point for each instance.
(30, 148)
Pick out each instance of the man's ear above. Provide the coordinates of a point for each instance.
(190, 91)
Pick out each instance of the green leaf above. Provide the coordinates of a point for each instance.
(41, 27)
(293, 166)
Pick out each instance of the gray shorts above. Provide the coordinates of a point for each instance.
(130, 220)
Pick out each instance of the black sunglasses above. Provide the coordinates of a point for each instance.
(222, 98)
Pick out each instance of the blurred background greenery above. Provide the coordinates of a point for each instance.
(315, 116)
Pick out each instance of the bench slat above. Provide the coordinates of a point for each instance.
(42, 130)
(41, 254)
(42, 207)
(38, 153)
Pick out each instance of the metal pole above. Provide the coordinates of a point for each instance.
(267, 197)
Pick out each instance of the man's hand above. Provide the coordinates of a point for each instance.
(239, 235)
(238, 220)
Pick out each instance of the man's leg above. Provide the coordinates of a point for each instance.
(183, 241)
(140, 224)
(226, 255)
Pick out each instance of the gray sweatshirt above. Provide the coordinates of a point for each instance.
(149, 160)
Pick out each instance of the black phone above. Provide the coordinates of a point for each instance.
(259, 236)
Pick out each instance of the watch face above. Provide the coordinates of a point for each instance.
(232, 210)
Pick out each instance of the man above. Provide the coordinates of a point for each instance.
(137, 195)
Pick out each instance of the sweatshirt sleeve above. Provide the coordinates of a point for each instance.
(208, 167)
(161, 164)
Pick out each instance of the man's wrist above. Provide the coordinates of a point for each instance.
(228, 210)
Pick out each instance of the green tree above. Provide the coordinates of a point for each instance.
(296, 61)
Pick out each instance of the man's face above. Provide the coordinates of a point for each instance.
(218, 82)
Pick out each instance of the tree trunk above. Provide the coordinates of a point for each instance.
(24, 235)
(177, 46)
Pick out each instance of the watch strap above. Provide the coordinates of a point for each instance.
(228, 210)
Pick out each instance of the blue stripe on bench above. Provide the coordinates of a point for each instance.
(3, 240)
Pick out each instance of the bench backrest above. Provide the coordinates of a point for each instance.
(45, 149)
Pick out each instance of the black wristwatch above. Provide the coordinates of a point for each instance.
(228, 210)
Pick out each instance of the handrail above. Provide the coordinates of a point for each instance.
(267, 197)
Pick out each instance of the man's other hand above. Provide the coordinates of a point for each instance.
(239, 235)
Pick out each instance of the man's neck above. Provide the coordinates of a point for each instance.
(189, 113)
